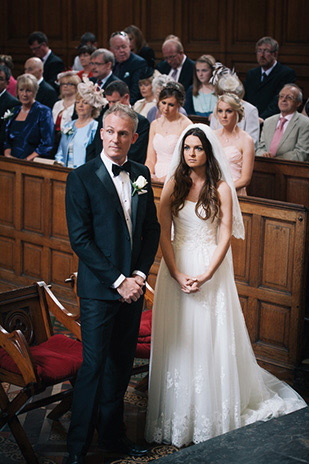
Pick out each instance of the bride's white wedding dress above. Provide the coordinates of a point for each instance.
(204, 379)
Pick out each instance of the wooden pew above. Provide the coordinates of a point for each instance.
(269, 265)
(280, 180)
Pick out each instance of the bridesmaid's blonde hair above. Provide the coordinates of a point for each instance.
(234, 102)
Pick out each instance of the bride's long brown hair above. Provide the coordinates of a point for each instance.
(208, 199)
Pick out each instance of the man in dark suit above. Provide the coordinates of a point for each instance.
(102, 62)
(176, 64)
(46, 95)
(129, 67)
(53, 65)
(7, 101)
(118, 92)
(263, 84)
(114, 231)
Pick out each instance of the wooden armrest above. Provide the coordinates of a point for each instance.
(149, 295)
(65, 317)
(16, 346)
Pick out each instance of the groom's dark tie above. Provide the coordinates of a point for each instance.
(125, 167)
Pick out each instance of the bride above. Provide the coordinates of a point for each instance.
(204, 379)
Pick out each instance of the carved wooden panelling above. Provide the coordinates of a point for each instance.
(33, 203)
(87, 19)
(161, 20)
(120, 14)
(7, 253)
(7, 183)
(263, 185)
(18, 20)
(297, 190)
(58, 219)
(62, 266)
(32, 260)
(274, 329)
(49, 18)
(295, 18)
(241, 252)
(277, 265)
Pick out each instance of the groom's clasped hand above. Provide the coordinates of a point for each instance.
(131, 289)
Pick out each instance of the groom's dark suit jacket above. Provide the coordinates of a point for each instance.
(98, 231)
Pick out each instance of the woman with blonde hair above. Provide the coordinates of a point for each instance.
(237, 144)
(63, 109)
(78, 134)
(29, 128)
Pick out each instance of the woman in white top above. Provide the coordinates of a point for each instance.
(64, 108)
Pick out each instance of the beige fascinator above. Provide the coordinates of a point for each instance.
(91, 93)
(230, 83)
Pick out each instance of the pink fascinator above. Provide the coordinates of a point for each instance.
(91, 93)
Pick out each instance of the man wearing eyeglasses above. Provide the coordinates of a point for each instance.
(263, 84)
(102, 62)
(52, 64)
(176, 64)
(286, 135)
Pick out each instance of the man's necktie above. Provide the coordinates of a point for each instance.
(125, 167)
(174, 74)
(264, 75)
(99, 83)
(277, 137)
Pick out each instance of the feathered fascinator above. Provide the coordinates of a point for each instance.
(219, 71)
(229, 82)
(91, 93)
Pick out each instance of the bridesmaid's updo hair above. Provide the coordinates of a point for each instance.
(208, 201)
(234, 102)
(173, 89)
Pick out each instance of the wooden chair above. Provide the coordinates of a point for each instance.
(199, 119)
(32, 357)
(143, 343)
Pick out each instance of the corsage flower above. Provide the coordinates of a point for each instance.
(7, 115)
(138, 186)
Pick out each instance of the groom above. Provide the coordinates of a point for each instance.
(114, 231)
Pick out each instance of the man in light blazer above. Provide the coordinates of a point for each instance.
(293, 144)
(114, 231)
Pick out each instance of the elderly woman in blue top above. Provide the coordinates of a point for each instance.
(29, 129)
(78, 134)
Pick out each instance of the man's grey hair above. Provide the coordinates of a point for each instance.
(177, 44)
(269, 41)
(108, 56)
(123, 111)
(299, 98)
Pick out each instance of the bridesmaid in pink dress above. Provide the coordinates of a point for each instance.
(165, 131)
(237, 144)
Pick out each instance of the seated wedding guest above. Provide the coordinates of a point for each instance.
(165, 131)
(63, 109)
(84, 53)
(129, 67)
(237, 144)
(118, 92)
(157, 85)
(86, 39)
(78, 134)
(230, 83)
(52, 64)
(46, 95)
(30, 131)
(176, 64)
(139, 46)
(102, 62)
(200, 97)
(148, 101)
(7, 101)
(7, 60)
(286, 135)
(263, 84)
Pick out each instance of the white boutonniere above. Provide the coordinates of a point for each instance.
(138, 186)
(7, 115)
(67, 131)
(127, 74)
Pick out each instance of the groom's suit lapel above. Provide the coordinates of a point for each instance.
(108, 184)
(134, 199)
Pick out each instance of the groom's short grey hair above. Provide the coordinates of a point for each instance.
(122, 111)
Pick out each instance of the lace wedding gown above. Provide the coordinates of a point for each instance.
(204, 379)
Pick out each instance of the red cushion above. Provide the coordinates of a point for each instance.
(145, 326)
(142, 350)
(56, 359)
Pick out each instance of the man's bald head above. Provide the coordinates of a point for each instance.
(34, 66)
